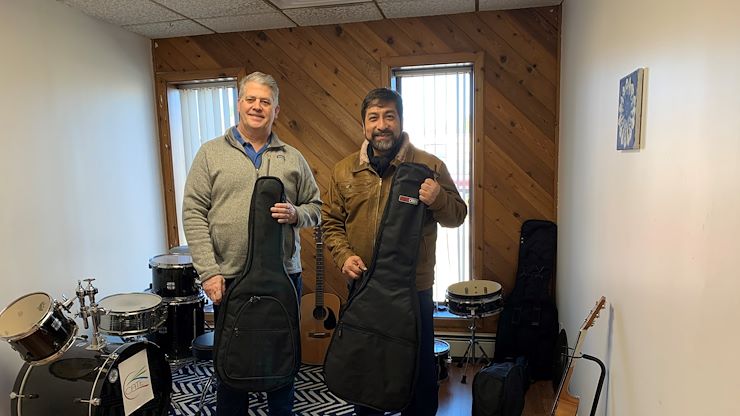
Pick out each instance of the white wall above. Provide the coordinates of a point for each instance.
(79, 163)
(654, 230)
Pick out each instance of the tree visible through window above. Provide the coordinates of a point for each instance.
(437, 115)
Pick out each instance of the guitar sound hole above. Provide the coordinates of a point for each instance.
(319, 313)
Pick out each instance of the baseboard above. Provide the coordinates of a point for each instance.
(459, 342)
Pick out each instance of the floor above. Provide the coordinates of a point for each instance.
(456, 398)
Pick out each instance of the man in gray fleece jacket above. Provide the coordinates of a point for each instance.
(218, 193)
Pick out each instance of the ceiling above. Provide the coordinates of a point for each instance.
(157, 19)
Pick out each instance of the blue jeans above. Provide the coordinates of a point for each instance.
(425, 398)
(230, 402)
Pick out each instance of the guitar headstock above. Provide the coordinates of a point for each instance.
(591, 318)
(317, 234)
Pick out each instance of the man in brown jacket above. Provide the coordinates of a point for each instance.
(358, 193)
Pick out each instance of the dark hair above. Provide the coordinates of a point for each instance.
(382, 96)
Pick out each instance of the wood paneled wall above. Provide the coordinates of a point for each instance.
(325, 71)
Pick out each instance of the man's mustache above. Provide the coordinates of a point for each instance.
(382, 133)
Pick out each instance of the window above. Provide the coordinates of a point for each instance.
(437, 114)
(198, 112)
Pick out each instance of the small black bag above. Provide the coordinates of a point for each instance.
(499, 389)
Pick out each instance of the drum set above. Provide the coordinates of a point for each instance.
(474, 299)
(68, 373)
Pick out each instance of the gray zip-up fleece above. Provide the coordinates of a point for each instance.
(218, 194)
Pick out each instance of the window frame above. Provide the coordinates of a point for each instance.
(165, 83)
(388, 64)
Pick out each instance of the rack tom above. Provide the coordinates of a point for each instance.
(478, 298)
(173, 276)
(37, 328)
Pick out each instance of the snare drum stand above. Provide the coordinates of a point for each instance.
(470, 350)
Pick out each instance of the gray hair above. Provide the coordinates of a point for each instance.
(261, 78)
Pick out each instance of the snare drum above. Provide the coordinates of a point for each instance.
(173, 276)
(37, 328)
(89, 382)
(132, 314)
(442, 354)
(475, 298)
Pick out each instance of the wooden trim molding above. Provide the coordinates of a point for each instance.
(164, 82)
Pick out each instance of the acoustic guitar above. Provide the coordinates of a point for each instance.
(566, 404)
(319, 313)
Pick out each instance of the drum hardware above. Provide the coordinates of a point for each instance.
(94, 402)
(469, 355)
(92, 311)
(14, 395)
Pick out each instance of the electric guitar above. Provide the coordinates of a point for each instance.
(319, 313)
(566, 404)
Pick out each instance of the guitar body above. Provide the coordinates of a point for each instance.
(319, 313)
(567, 404)
(316, 332)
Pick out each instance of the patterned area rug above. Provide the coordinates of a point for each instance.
(312, 398)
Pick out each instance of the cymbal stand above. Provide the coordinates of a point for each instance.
(92, 311)
(470, 351)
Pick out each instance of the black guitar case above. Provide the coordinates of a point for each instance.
(257, 344)
(372, 357)
(528, 325)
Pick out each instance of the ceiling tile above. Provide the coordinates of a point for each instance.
(408, 8)
(216, 8)
(295, 4)
(124, 12)
(313, 16)
(169, 29)
(247, 22)
(514, 4)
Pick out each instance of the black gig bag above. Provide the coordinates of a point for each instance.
(372, 358)
(257, 344)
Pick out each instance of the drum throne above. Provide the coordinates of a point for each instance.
(203, 351)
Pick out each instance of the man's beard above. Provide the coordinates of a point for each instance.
(383, 145)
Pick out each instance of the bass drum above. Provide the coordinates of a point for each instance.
(88, 382)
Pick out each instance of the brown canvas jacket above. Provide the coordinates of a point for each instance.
(356, 200)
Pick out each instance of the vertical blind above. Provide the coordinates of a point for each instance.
(204, 112)
(437, 115)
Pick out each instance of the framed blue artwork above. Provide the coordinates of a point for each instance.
(629, 122)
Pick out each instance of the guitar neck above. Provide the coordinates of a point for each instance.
(319, 268)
